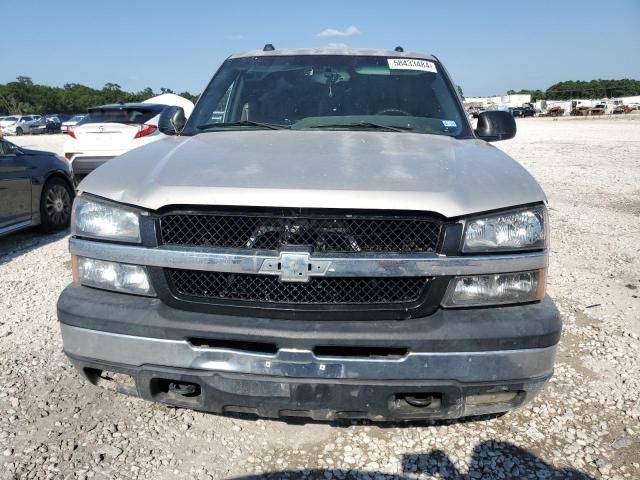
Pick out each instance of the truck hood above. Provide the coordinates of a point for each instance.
(317, 169)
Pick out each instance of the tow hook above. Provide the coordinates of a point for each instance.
(419, 401)
(184, 389)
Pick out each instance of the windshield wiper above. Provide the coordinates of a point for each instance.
(242, 123)
(390, 128)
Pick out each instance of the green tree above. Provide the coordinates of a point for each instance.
(147, 93)
(189, 96)
(11, 105)
(111, 87)
(599, 88)
(23, 96)
(535, 94)
(24, 80)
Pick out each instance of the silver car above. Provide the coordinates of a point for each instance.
(326, 237)
(72, 122)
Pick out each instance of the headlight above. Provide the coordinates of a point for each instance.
(512, 230)
(97, 219)
(119, 277)
(496, 289)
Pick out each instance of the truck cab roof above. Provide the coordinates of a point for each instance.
(372, 52)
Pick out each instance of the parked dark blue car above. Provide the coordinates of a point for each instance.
(36, 188)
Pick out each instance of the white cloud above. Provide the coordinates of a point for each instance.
(332, 32)
(336, 45)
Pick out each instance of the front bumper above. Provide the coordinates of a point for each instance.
(85, 164)
(310, 398)
(497, 365)
(82, 165)
(454, 357)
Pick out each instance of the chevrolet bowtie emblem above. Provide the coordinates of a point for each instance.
(294, 267)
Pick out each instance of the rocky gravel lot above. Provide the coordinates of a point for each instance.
(585, 424)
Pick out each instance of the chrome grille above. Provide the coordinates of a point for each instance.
(319, 291)
(335, 233)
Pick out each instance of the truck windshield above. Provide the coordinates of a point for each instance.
(338, 92)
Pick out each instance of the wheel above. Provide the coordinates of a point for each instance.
(19, 131)
(55, 205)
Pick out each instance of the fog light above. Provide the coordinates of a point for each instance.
(488, 398)
(502, 288)
(119, 277)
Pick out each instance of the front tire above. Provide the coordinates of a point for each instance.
(19, 131)
(55, 205)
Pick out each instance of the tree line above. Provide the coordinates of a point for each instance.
(570, 89)
(24, 97)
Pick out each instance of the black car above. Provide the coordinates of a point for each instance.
(36, 188)
(63, 117)
(523, 112)
(46, 125)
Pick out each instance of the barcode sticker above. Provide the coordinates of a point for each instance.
(412, 64)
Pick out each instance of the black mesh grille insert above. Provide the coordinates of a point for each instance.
(322, 234)
(269, 289)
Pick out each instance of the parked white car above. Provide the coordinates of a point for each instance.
(18, 124)
(111, 130)
(72, 122)
(6, 121)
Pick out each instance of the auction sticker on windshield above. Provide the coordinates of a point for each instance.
(411, 64)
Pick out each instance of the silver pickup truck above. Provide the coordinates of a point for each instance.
(326, 237)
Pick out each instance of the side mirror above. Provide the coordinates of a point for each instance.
(172, 120)
(496, 125)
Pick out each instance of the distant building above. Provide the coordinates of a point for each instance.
(505, 102)
(569, 106)
(510, 101)
(631, 100)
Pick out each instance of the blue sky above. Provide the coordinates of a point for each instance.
(487, 46)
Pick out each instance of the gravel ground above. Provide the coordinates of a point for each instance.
(585, 424)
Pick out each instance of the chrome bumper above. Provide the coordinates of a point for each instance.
(133, 351)
(259, 262)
